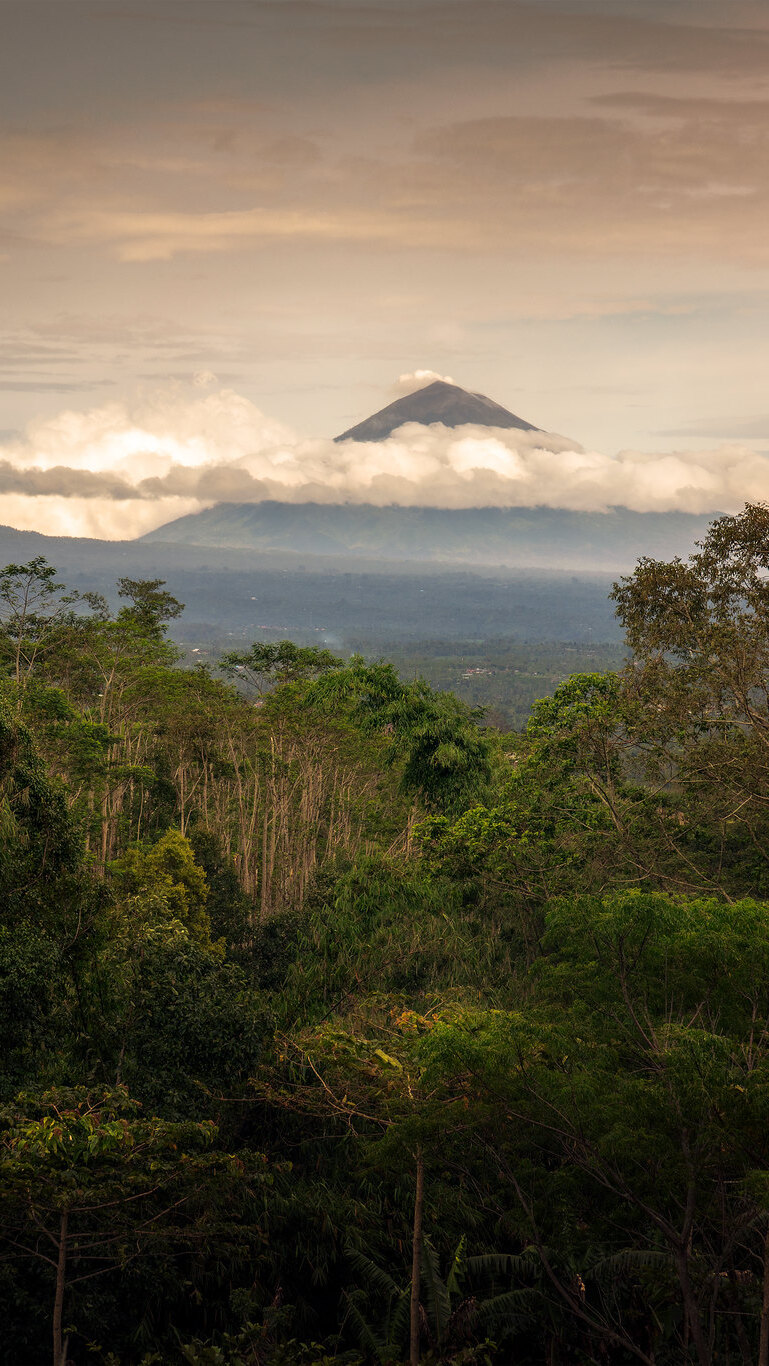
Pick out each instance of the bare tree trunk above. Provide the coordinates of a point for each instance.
(416, 1261)
(746, 1351)
(692, 1321)
(58, 1303)
(264, 900)
(763, 1340)
(104, 828)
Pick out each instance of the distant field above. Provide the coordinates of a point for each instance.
(338, 608)
(505, 676)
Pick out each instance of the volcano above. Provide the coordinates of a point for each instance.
(437, 402)
(509, 537)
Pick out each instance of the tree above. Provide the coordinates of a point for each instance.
(32, 608)
(151, 605)
(361, 1076)
(266, 664)
(630, 1096)
(30, 987)
(90, 1184)
(228, 907)
(162, 883)
(43, 877)
(443, 754)
(699, 683)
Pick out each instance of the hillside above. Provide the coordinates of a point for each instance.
(237, 593)
(546, 538)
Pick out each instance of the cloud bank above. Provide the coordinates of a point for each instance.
(126, 467)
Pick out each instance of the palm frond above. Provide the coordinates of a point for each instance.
(503, 1263)
(369, 1339)
(399, 1323)
(510, 1307)
(436, 1292)
(629, 1259)
(372, 1274)
(458, 1269)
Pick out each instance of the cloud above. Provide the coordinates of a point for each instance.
(688, 109)
(61, 482)
(734, 428)
(48, 386)
(152, 235)
(417, 379)
(635, 33)
(624, 171)
(126, 467)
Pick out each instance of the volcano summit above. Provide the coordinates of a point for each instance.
(438, 402)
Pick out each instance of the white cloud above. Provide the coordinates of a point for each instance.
(418, 379)
(126, 467)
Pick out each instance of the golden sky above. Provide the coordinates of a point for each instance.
(561, 203)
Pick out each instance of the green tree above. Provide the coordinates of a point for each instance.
(33, 606)
(162, 883)
(699, 681)
(91, 1184)
(436, 739)
(229, 909)
(151, 606)
(363, 1075)
(31, 973)
(630, 1098)
(270, 663)
(43, 878)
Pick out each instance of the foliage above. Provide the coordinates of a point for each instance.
(277, 662)
(445, 757)
(162, 883)
(335, 1025)
(32, 608)
(151, 605)
(103, 1185)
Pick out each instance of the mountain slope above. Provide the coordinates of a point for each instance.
(514, 537)
(437, 402)
(340, 600)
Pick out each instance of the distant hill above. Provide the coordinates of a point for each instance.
(236, 595)
(543, 538)
(438, 402)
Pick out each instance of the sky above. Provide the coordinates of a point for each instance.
(227, 228)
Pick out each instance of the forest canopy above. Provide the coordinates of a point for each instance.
(337, 1026)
